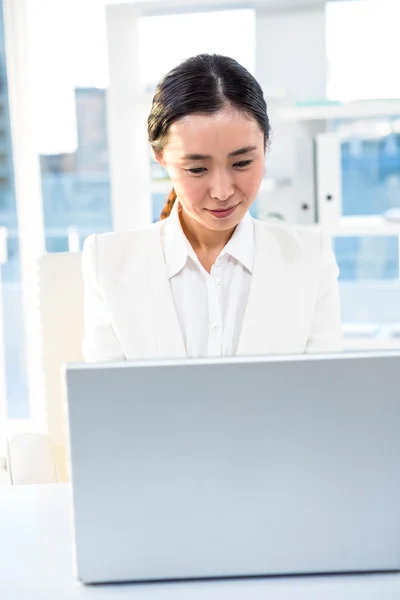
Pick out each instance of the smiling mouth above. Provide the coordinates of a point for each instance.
(221, 213)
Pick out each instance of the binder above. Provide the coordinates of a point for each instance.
(328, 178)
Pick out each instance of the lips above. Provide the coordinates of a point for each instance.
(222, 213)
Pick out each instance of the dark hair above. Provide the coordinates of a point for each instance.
(204, 84)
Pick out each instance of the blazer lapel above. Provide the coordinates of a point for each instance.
(167, 336)
(274, 317)
(267, 321)
(147, 323)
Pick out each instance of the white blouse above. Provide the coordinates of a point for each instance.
(210, 306)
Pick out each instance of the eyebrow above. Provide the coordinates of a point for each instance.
(239, 152)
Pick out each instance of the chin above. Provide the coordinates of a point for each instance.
(223, 224)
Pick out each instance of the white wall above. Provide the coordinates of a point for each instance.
(127, 123)
(291, 54)
(291, 65)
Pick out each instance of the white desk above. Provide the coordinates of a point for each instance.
(36, 563)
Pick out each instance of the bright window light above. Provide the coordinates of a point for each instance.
(165, 41)
(363, 49)
(67, 49)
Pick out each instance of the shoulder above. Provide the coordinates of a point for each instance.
(296, 242)
(111, 254)
(119, 242)
(130, 236)
(296, 236)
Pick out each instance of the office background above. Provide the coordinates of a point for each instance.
(336, 57)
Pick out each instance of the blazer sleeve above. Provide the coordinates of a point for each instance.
(100, 342)
(326, 333)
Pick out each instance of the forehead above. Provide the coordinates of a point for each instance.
(224, 131)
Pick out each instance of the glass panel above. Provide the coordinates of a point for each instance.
(76, 185)
(371, 167)
(367, 258)
(158, 203)
(16, 375)
(370, 147)
(69, 107)
(369, 287)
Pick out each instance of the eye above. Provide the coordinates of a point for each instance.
(242, 164)
(197, 170)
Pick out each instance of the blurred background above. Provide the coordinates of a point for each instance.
(76, 83)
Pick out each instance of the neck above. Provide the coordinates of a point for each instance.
(203, 239)
(206, 243)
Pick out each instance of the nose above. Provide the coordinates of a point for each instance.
(221, 187)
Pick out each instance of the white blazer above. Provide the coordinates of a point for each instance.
(293, 304)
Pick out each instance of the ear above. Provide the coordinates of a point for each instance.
(159, 158)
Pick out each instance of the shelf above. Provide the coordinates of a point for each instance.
(368, 344)
(360, 226)
(371, 336)
(350, 110)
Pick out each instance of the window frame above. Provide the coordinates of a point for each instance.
(27, 185)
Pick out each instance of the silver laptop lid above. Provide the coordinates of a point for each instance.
(236, 467)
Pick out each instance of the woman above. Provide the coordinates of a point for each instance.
(208, 280)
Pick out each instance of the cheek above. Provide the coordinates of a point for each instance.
(250, 182)
(189, 189)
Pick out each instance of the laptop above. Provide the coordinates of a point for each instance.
(235, 467)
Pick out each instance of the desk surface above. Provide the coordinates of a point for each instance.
(36, 563)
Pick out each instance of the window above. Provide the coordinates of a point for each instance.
(12, 317)
(70, 114)
(370, 146)
(362, 66)
(370, 169)
(76, 185)
(69, 107)
(367, 258)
